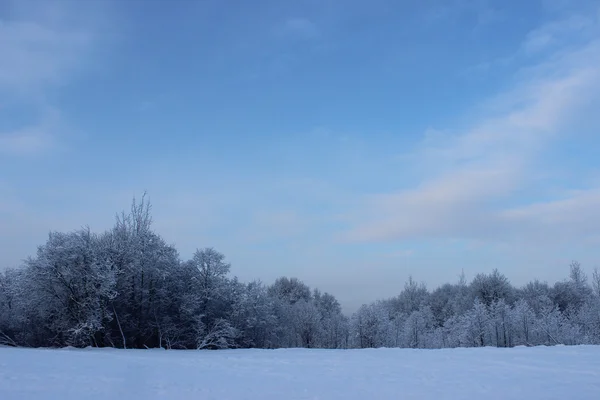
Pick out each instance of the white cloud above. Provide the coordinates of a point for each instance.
(471, 174)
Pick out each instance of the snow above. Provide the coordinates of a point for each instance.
(547, 373)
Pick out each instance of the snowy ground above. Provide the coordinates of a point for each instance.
(571, 373)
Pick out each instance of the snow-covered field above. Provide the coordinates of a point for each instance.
(571, 373)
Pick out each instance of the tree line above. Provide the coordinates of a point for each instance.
(127, 288)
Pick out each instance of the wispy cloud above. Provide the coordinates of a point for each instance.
(34, 55)
(473, 176)
(29, 140)
(34, 138)
(573, 217)
(557, 33)
(553, 39)
(40, 50)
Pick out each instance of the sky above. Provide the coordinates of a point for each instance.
(351, 144)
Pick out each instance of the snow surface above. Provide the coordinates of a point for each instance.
(571, 373)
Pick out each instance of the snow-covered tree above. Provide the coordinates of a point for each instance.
(475, 323)
(370, 326)
(418, 328)
(412, 297)
(524, 320)
(209, 300)
(11, 314)
(489, 288)
(554, 328)
(290, 290)
(502, 324)
(307, 323)
(143, 263)
(333, 324)
(254, 316)
(588, 319)
(220, 334)
(127, 288)
(450, 300)
(596, 281)
(74, 286)
(536, 294)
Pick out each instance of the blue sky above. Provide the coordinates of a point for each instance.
(347, 143)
